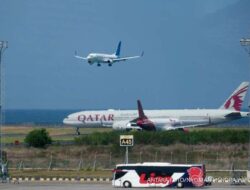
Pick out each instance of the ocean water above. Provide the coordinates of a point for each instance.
(55, 117)
(35, 117)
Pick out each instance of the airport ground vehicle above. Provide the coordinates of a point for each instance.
(158, 174)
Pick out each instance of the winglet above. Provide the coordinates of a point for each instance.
(235, 101)
(140, 110)
(142, 53)
(79, 57)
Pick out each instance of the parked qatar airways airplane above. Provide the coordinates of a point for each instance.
(106, 58)
(153, 120)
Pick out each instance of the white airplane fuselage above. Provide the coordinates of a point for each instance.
(101, 58)
(107, 58)
(163, 119)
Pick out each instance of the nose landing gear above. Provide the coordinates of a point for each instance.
(77, 131)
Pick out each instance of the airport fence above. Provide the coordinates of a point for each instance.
(108, 160)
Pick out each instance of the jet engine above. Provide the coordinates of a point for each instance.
(125, 126)
(110, 61)
(171, 122)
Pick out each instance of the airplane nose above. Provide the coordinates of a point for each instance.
(66, 121)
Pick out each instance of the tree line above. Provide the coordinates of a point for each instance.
(205, 136)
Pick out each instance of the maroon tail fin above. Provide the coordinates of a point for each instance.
(140, 110)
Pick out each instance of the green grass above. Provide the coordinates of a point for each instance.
(62, 133)
(99, 173)
(68, 156)
(60, 173)
(58, 133)
(205, 136)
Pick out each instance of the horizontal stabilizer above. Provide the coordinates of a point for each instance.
(233, 115)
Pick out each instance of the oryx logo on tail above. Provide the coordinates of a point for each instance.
(235, 101)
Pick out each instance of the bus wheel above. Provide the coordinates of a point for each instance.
(180, 185)
(126, 184)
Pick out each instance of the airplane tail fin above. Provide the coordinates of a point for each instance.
(235, 101)
(118, 50)
(140, 110)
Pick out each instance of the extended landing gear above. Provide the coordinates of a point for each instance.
(98, 64)
(110, 64)
(77, 131)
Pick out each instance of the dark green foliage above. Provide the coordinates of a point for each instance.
(98, 138)
(4, 156)
(38, 138)
(205, 136)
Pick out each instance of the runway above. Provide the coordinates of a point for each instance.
(91, 186)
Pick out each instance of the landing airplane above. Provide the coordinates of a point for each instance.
(165, 120)
(107, 58)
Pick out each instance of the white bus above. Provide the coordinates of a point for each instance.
(158, 174)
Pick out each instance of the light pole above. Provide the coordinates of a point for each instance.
(245, 43)
(3, 47)
(249, 139)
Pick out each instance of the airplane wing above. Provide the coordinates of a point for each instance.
(183, 127)
(79, 57)
(194, 125)
(187, 126)
(127, 58)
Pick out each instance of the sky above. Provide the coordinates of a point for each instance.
(192, 55)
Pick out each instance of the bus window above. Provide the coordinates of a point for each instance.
(118, 174)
